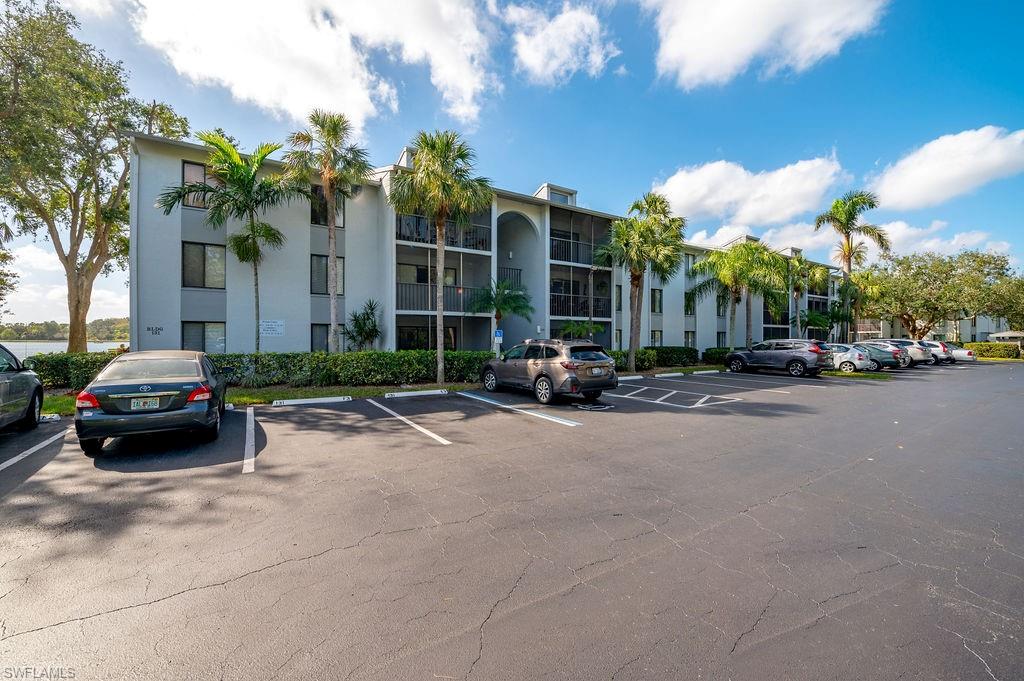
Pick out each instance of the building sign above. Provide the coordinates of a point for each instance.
(271, 327)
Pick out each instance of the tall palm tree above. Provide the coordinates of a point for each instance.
(240, 191)
(325, 151)
(743, 270)
(804, 275)
(502, 298)
(441, 186)
(845, 218)
(650, 237)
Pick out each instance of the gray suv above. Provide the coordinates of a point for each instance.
(550, 368)
(21, 392)
(797, 356)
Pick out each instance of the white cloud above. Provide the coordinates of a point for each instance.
(719, 237)
(621, 70)
(99, 8)
(550, 49)
(288, 58)
(725, 189)
(708, 43)
(31, 258)
(949, 166)
(799, 235)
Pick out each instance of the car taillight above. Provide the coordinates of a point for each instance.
(860, 357)
(943, 346)
(86, 400)
(200, 394)
(815, 349)
(570, 365)
(895, 354)
(970, 353)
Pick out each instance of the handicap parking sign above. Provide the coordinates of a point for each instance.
(498, 335)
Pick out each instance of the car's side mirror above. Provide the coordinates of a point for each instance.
(227, 371)
(28, 365)
(503, 357)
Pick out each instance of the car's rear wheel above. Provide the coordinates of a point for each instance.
(736, 365)
(847, 367)
(904, 362)
(490, 381)
(34, 411)
(543, 390)
(92, 446)
(796, 368)
(933, 361)
(875, 366)
(592, 395)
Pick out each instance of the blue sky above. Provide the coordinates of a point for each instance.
(751, 119)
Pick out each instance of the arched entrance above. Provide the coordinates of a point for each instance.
(520, 254)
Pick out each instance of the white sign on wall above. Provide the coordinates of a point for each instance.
(271, 327)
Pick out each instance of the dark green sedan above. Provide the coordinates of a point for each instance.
(151, 392)
(879, 357)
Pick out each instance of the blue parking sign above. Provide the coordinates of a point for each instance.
(498, 335)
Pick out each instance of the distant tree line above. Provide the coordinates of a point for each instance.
(112, 329)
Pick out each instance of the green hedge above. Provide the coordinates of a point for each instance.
(715, 355)
(62, 370)
(645, 359)
(1000, 350)
(673, 355)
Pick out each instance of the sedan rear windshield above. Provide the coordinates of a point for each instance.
(151, 368)
(589, 353)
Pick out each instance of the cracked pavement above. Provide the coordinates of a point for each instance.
(870, 530)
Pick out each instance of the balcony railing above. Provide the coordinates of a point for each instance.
(512, 275)
(419, 229)
(564, 305)
(572, 251)
(423, 297)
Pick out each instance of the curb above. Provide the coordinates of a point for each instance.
(311, 400)
(707, 371)
(415, 393)
(630, 378)
(670, 375)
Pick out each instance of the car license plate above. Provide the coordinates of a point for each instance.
(145, 403)
(596, 371)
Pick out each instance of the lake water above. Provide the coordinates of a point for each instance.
(23, 349)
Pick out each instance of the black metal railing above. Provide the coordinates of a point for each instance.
(512, 275)
(419, 229)
(572, 251)
(564, 305)
(423, 297)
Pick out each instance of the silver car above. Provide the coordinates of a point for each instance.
(960, 353)
(797, 356)
(21, 392)
(919, 354)
(941, 353)
(848, 358)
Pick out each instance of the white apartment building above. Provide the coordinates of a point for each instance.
(187, 291)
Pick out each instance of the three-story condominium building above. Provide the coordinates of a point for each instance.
(188, 292)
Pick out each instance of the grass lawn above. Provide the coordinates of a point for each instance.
(689, 369)
(999, 359)
(243, 397)
(864, 375)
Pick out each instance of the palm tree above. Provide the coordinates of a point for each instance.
(804, 275)
(580, 329)
(650, 237)
(502, 298)
(845, 218)
(743, 270)
(242, 192)
(325, 151)
(442, 187)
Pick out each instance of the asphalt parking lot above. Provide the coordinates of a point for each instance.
(707, 526)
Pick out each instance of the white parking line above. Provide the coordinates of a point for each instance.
(764, 382)
(719, 385)
(249, 460)
(35, 448)
(702, 402)
(311, 400)
(409, 423)
(546, 417)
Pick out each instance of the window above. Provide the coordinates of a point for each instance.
(762, 346)
(771, 332)
(203, 336)
(151, 368)
(688, 260)
(318, 275)
(318, 206)
(589, 354)
(417, 274)
(422, 337)
(618, 298)
(202, 265)
(690, 339)
(558, 197)
(618, 339)
(656, 300)
(7, 361)
(196, 173)
(534, 352)
(720, 340)
(516, 352)
(722, 305)
(550, 353)
(655, 338)
(689, 304)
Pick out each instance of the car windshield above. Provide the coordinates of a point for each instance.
(151, 368)
(589, 353)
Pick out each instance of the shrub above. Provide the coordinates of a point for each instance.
(1000, 350)
(715, 355)
(71, 370)
(645, 359)
(673, 355)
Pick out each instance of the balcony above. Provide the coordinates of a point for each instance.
(418, 229)
(572, 251)
(423, 297)
(564, 305)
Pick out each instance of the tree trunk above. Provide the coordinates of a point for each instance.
(847, 270)
(256, 301)
(636, 297)
(796, 314)
(332, 265)
(749, 310)
(79, 299)
(732, 322)
(439, 278)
